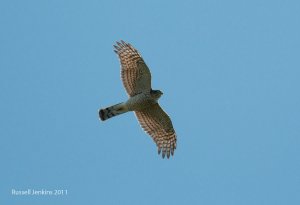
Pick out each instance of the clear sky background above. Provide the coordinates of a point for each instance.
(230, 73)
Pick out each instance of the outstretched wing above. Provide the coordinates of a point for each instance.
(135, 74)
(159, 126)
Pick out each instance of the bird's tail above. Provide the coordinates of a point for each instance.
(112, 111)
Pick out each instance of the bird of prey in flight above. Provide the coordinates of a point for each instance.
(142, 100)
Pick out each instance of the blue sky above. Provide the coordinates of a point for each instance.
(229, 71)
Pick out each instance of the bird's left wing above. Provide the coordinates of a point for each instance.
(159, 126)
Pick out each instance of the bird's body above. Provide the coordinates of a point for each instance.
(142, 100)
(135, 103)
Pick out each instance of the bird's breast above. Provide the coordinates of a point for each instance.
(139, 102)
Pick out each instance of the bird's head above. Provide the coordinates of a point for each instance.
(156, 94)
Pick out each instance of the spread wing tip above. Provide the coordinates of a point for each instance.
(167, 151)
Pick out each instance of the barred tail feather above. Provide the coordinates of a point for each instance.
(112, 111)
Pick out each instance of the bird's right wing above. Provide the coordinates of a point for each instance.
(135, 74)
